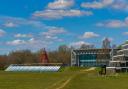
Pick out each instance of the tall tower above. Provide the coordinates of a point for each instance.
(106, 43)
(44, 56)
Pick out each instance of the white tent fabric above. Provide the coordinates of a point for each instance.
(33, 68)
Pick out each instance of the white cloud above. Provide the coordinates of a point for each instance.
(57, 14)
(21, 42)
(53, 34)
(97, 4)
(60, 9)
(32, 41)
(32, 44)
(49, 34)
(90, 35)
(54, 31)
(16, 42)
(51, 31)
(92, 5)
(113, 4)
(51, 37)
(19, 22)
(10, 24)
(22, 35)
(45, 35)
(114, 23)
(78, 44)
(120, 4)
(2, 32)
(44, 39)
(60, 4)
(125, 33)
(60, 40)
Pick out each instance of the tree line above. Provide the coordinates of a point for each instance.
(61, 55)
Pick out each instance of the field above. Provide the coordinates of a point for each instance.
(69, 78)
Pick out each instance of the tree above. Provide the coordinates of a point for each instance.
(53, 57)
(63, 48)
(22, 57)
(64, 53)
(3, 61)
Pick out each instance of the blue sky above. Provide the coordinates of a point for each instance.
(35, 24)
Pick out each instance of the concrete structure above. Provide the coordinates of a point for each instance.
(91, 57)
(119, 62)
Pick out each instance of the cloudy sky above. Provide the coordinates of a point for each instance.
(35, 24)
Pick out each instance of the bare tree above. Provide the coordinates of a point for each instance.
(22, 57)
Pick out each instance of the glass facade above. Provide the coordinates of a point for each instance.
(87, 60)
(91, 57)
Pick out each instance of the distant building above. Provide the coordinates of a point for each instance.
(87, 46)
(91, 57)
(106, 44)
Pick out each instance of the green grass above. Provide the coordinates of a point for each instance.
(68, 78)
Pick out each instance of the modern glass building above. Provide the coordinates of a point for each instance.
(91, 57)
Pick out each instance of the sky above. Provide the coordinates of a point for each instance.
(36, 24)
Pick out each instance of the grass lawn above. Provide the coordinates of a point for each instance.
(71, 78)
